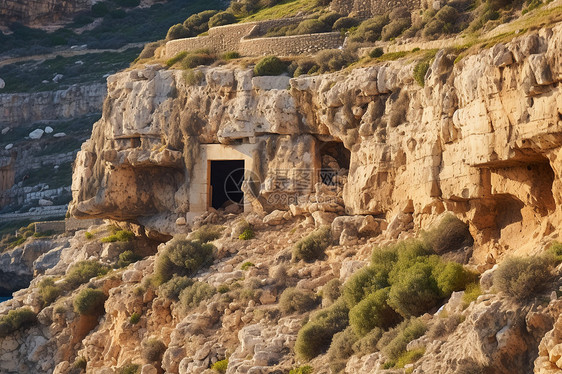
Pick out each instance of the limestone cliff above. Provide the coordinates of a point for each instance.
(481, 140)
(40, 13)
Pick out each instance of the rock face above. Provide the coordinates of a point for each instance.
(40, 13)
(481, 139)
(72, 102)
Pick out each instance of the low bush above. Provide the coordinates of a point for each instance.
(451, 234)
(152, 350)
(270, 65)
(208, 233)
(373, 311)
(471, 293)
(444, 326)
(555, 250)
(119, 236)
(331, 291)
(420, 70)
(393, 342)
(172, 288)
(220, 366)
(395, 28)
(307, 369)
(368, 343)
(177, 58)
(182, 257)
(135, 318)
(345, 23)
(192, 296)
(89, 302)
(312, 247)
(197, 58)
(83, 271)
(222, 18)
(447, 14)
(129, 369)
(377, 52)
(311, 26)
(522, 277)
(293, 300)
(16, 319)
(246, 265)
(88, 235)
(177, 31)
(149, 50)
(362, 283)
(341, 347)
(127, 258)
(329, 19)
(452, 277)
(315, 337)
(199, 23)
(409, 357)
(100, 9)
(193, 77)
(48, 291)
(80, 363)
(369, 30)
(334, 59)
(247, 234)
(232, 55)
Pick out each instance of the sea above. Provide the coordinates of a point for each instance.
(4, 298)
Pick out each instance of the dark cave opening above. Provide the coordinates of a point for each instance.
(225, 183)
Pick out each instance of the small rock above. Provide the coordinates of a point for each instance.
(48, 130)
(59, 135)
(181, 221)
(45, 81)
(5, 130)
(36, 134)
(132, 276)
(9, 146)
(45, 202)
(2, 83)
(274, 218)
(149, 369)
(57, 78)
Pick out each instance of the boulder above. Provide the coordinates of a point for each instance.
(36, 134)
(48, 130)
(274, 218)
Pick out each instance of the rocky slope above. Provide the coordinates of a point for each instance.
(479, 140)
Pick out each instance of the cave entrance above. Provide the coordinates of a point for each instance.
(225, 183)
(335, 160)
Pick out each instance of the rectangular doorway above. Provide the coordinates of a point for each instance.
(225, 183)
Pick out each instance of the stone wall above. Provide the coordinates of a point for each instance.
(73, 224)
(72, 102)
(244, 38)
(370, 8)
(55, 226)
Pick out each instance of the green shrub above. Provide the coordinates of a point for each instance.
(471, 293)
(362, 283)
(182, 257)
(177, 32)
(310, 26)
(88, 235)
(177, 58)
(345, 23)
(522, 277)
(433, 28)
(329, 19)
(208, 233)
(369, 30)
(415, 291)
(420, 70)
(409, 357)
(447, 14)
(135, 318)
(119, 236)
(332, 290)
(100, 9)
(129, 369)
(197, 58)
(315, 337)
(199, 23)
(334, 59)
(172, 288)
(126, 258)
(377, 52)
(555, 250)
(393, 342)
(312, 247)
(80, 363)
(48, 291)
(152, 350)
(128, 3)
(90, 302)
(192, 296)
(270, 65)
(222, 18)
(307, 369)
(232, 55)
(395, 28)
(293, 300)
(452, 277)
(247, 234)
(246, 265)
(341, 347)
(83, 271)
(373, 311)
(16, 319)
(193, 77)
(220, 366)
(368, 343)
(451, 234)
